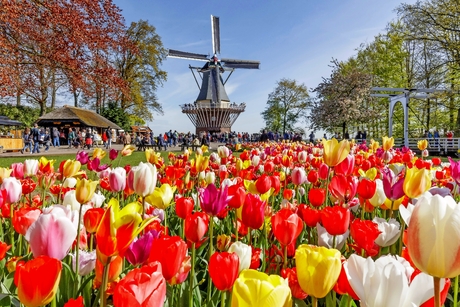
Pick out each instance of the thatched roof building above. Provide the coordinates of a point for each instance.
(68, 116)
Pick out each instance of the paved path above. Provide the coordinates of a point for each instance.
(63, 150)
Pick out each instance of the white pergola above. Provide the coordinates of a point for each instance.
(403, 96)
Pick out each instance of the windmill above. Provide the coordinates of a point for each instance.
(212, 111)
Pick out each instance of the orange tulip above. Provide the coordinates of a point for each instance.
(37, 280)
(335, 152)
(115, 267)
(92, 218)
(3, 249)
(118, 228)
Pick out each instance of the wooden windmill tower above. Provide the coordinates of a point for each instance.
(212, 110)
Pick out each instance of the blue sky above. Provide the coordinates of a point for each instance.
(292, 39)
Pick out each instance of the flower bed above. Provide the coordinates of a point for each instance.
(283, 224)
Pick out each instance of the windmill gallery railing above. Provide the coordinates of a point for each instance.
(213, 116)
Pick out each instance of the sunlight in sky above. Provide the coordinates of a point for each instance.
(292, 39)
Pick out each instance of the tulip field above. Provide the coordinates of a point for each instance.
(281, 225)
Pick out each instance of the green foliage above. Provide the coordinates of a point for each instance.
(26, 115)
(116, 115)
(287, 105)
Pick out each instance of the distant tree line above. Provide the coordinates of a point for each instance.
(420, 49)
(79, 51)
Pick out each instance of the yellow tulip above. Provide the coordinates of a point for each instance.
(388, 204)
(335, 152)
(256, 289)
(318, 269)
(422, 144)
(127, 150)
(4, 173)
(374, 145)
(71, 168)
(416, 182)
(99, 153)
(84, 190)
(388, 143)
(153, 157)
(237, 147)
(204, 148)
(161, 197)
(201, 163)
(369, 174)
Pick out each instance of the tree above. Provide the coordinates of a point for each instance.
(116, 115)
(342, 99)
(141, 70)
(287, 105)
(73, 38)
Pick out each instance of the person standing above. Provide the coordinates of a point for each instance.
(47, 139)
(36, 134)
(56, 137)
(88, 139)
(108, 132)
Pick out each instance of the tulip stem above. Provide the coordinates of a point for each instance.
(456, 291)
(53, 302)
(222, 298)
(210, 251)
(77, 251)
(12, 228)
(437, 298)
(105, 277)
(314, 301)
(403, 225)
(192, 275)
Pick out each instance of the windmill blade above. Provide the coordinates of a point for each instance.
(187, 55)
(233, 63)
(215, 34)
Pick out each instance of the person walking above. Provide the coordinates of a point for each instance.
(71, 137)
(27, 137)
(56, 142)
(46, 139)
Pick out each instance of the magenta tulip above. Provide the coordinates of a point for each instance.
(213, 200)
(139, 250)
(392, 185)
(82, 157)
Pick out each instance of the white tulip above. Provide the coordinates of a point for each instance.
(389, 231)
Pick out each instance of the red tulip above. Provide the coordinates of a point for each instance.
(288, 194)
(37, 280)
(343, 285)
(343, 188)
(196, 226)
(223, 269)
(276, 184)
(3, 249)
(115, 267)
(238, 194)
(310, 216)
(291, 276)
(184, 206)
(335, 219)
(143, 286)
(78, 302)
(312, 176)
(346, 166)
(286, 226)
(171, 253)
(23, 218)
(253, 211)
(269, 167)
(316, 197)
(323, 171)
(263, 184)
(92, 218)
(364, 232)
(366, 188)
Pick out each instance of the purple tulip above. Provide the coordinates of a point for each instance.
(113, 154)
(139, 250)
(82, 157)
(213, 200)
(392, 185)
(95, 165)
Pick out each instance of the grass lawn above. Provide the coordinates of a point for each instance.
(134, 159)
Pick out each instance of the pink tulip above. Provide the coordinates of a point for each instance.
(143, 179)
(213, 200)
(13, 189)
(346, 166)
(299, 176)
(18, 170)
(53, 233)
(117, 179)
